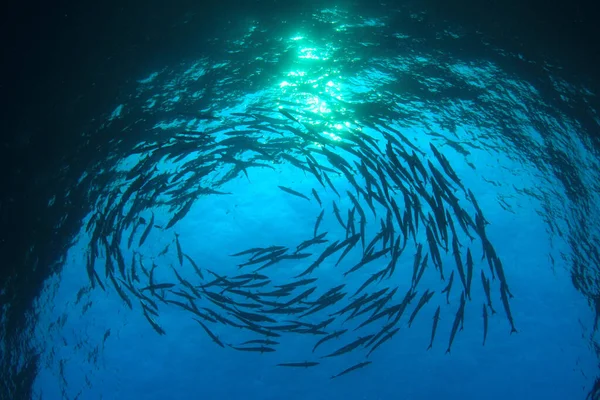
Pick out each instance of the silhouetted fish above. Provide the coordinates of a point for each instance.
(305, 364)
(352, 368)
(293, 192)
(436, 318)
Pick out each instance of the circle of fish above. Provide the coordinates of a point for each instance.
(414, 198)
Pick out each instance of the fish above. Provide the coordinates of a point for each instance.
(416, 263)
(179, 252)
(372, 278)
(180, 214)
(318, 239)
(457, 321)
(485, 323)
(198, 270)
(165, 250)
(422, 301)
(261, 349)
(380, 314)
(378, 304)
(321, 303)
(396, 253)
(349, 244)
(319, 219)
(249, 251)
(328, 251)
(254, 317)
(305, 364)
(146, 231)
(350, 227)
(120, 292)
(446, 166)
(270, 249)
(387, 337)
(349, 347)
(134, 275)
(267, 257)
(331, 293)
(504, 297)
(106, 335)
(133, 231)
(352, 368)
(436, 318)
(486, 288)
(459, 265)
(330, 184)
(312, 165)
(469, 273)
(500, 273)
(287, 115)
(434, 251)
(367, 259)
(356, 204)
(362, 224)
(281, 257)
(300, 297)
(260, 341)
(153, 323)
(158, 286)
(439, 178)
(295, 284)
(385, 329)
(421, 270)
(209, 332)
(376, 239)
(316, 196)
(336, 212)
(448, 288)
(293, 192)
(91, 271)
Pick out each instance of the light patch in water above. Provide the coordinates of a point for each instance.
(286, 84)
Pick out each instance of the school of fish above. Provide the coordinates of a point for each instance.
(415, 198)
